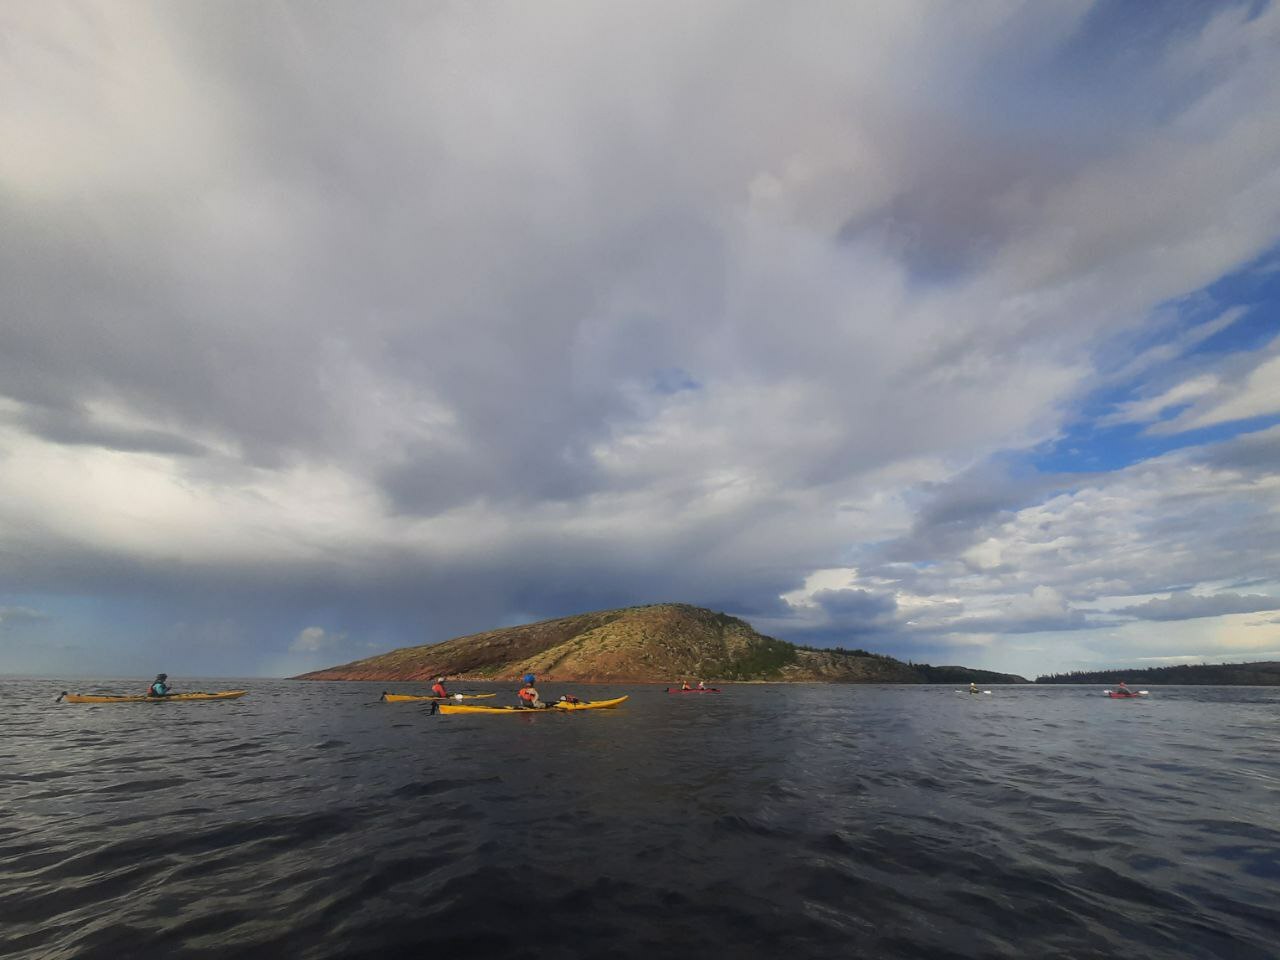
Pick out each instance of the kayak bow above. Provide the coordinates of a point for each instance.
(179, 697)
(558, 705)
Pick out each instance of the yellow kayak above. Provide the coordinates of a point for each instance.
(557, 705)
(406, 698)
(92, 698)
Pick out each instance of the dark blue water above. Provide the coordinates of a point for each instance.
(311, 821)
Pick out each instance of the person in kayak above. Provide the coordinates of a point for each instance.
(1123, 690)
(528, 695)
(973, 687)
(160, 687)
(438, 690)
(684, 685)
(566, 698)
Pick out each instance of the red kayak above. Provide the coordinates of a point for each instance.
(703, 690)
(1126, 696)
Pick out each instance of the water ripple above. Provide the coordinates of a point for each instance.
(311, 821)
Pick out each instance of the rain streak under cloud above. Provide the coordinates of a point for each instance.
(947, 331)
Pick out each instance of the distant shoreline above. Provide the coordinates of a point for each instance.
(551, 678)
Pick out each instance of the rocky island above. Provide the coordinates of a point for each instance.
(647, 644)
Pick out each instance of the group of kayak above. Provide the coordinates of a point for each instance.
(685, 688)
(440, 698)
(527, 695)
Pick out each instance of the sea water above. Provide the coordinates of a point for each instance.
(309, 820)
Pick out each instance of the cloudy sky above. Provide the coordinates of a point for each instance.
(950, 331)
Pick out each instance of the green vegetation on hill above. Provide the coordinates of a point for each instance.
(963, 675)
(657, 643)
(1261, 674)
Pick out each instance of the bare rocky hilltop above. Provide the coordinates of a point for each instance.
(649, 644)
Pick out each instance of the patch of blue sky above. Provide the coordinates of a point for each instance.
(1111, 54)
(1251, 294)
(1256, 289)
(671, 380)
(1091, 444)
(1087, 448)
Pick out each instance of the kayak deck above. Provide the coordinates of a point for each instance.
(409, 698)
(559, 705)
(180, 697)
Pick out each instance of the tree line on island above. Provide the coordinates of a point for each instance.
(1261, 674)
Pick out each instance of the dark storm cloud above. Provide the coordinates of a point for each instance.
(1187, 606)
(75, 427)
(861, 604)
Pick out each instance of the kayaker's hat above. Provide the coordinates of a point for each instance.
(162, 676)
(528, 678)
(439, 679)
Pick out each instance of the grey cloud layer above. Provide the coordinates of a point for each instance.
(479, 308)
(1181, 606)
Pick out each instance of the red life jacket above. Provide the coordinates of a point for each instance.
(527, 694)
(439, 690)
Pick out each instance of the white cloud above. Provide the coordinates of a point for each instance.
(11, 616)
(1094, 564)
(1150, 408)
(1258, 395)
(316, 640)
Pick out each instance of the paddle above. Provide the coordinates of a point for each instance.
(60, 696)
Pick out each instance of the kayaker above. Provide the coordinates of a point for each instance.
(160, 687)
(1123, 690)
(528, 695)
(701, 685)
(437, 688)
(684, 684)
(566, 698)
(973, 687)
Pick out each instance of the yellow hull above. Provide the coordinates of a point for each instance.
(183, 697)
(406, 698)
(557, 705)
